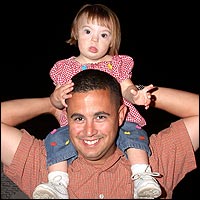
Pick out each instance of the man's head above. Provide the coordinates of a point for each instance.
(95, 111)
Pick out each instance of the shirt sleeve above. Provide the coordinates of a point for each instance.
(29, 170)
(172, 155)
(123, 67)
(62, 71)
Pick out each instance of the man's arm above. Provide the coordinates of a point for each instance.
(14, 112)
(182, 104)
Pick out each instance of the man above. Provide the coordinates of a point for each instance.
(95, 112)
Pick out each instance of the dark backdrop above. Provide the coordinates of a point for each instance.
(161, 37)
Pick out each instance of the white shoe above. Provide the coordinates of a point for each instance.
(146, 186)
(56, 188)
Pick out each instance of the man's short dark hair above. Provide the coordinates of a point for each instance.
(93, 79)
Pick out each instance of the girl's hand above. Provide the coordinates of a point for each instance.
(142, 96)
(60, 94)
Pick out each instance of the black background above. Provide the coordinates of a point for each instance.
(162, 37)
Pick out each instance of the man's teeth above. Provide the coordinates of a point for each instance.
(91, 142)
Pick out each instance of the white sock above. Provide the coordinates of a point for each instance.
(140, 168)
(59, 176)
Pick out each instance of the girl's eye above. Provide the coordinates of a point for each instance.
(87, 31)
(104, 35)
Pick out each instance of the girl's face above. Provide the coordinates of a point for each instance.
(93, 40)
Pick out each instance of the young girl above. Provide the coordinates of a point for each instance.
(96, 31)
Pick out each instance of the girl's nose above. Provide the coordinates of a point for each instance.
(94, 38)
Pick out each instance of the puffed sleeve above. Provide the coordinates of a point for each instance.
(123, 67)
(62, 71)
(56, 71)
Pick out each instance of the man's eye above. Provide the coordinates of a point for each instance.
(78, 119)
(101, 117)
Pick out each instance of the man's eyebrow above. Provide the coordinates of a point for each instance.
(96, 114)
(102, 113)
(76, 115)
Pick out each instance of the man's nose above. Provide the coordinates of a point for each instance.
(90, 129)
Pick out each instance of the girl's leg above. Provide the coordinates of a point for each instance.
(58, 180)
(134, 142)
(61, 166)
(60, 153)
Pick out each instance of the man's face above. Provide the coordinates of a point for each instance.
(93, 124)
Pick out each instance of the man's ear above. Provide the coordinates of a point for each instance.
(122, 114)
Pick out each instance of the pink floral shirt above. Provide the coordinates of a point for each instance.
(119, 67)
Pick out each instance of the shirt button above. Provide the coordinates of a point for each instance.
(101, 196)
